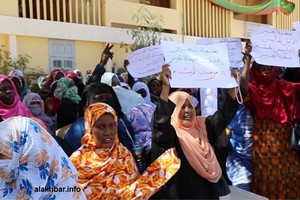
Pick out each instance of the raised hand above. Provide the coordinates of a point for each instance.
(165, 77)
(106, 54)
(247, 50)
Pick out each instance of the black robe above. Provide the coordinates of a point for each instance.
(187, 183)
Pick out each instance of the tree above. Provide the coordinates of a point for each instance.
(7, 63)
(149, 28)
(147, 34)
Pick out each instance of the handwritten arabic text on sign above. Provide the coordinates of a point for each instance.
(145, 62)
(234, 47)
(198, 66)
(275, 47)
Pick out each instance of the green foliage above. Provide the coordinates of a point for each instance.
(7, 63)
(5, 66)
(149, 28)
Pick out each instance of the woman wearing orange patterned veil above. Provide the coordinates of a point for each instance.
(175, 124)
(107, 170)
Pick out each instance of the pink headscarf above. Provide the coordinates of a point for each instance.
(193, 140)
(15, 109)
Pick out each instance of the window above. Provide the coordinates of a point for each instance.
(62, 54)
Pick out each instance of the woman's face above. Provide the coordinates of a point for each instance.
(18, 84)
(142, 92)
(104, 131)
(187, 111)
(7, 95)
(35, 107)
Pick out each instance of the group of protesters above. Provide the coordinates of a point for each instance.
(121, 137)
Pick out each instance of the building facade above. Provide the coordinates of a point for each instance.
(72, 33)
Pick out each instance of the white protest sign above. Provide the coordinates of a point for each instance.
(276, 47)
(296, 25)
(209, 101)
(198, 66)
(234, 47)
(145, 62)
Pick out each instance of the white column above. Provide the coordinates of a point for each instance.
(13, 47)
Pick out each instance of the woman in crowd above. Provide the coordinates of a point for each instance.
(18, 79)
(47, 90)
(10, 104)
(239, 159)
(154, 86)
(143, 90)
(32, 165)
(66, 92)
(112, 172)
(79, 74)
(35, 104)
(272, 102)
(110, 79)
(78, 82)
(54, 75)
(80, 85)
(140, 119)
(175, 124)
(100, 92)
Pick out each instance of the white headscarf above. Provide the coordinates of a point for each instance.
(107, 78)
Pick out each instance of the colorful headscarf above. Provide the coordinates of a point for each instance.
(53, 76)
(35, 164)
(16, 108)
(271, 98)
(63, 90)
(193, 140)
(112, 173)
(34, 97)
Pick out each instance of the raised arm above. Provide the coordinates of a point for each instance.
(165, 75)
(162, 130)
(244, 78)
(246, 71)
(100, 67)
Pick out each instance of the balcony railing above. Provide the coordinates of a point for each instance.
(73, 11)
(192, 17)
